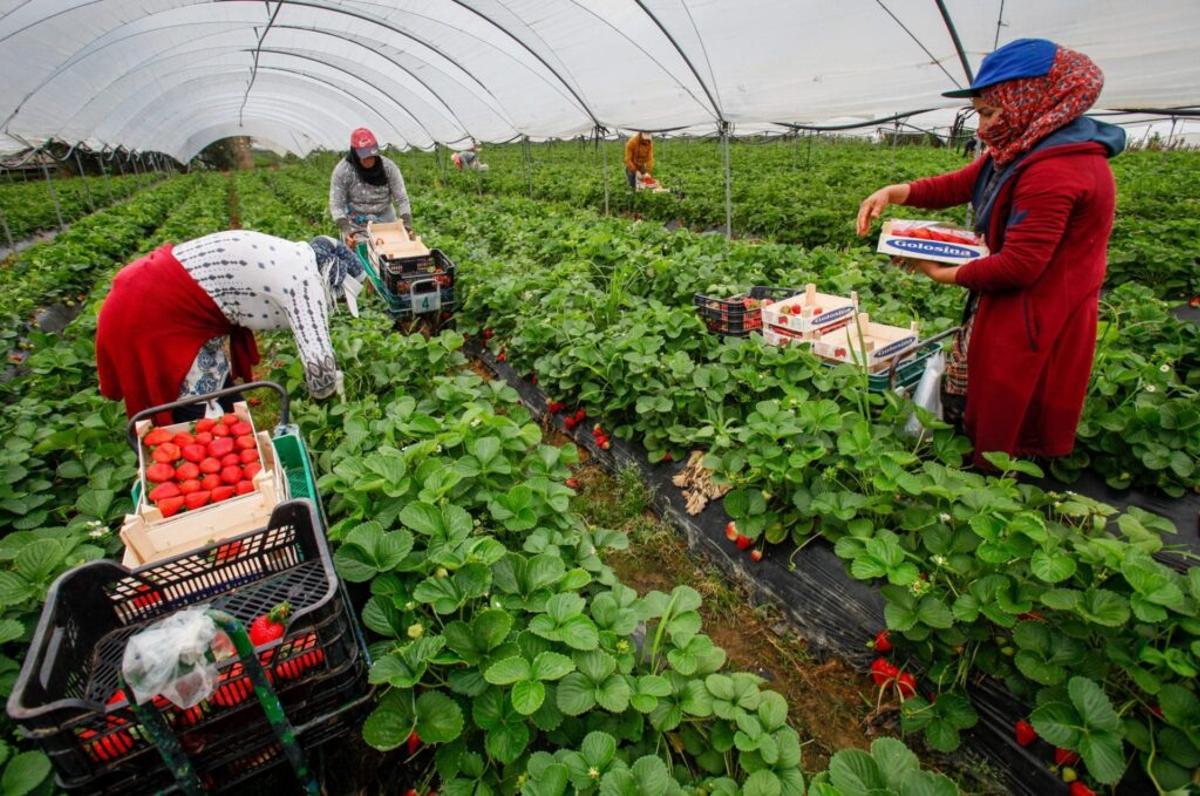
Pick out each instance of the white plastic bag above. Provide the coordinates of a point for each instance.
(171, 658)
(928, 395)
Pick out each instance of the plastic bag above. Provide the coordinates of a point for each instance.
(928, 394)
(172, 658)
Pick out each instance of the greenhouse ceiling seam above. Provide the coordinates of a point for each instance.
(962, 55)
(933, 58)
(716, 106)
(257, 50)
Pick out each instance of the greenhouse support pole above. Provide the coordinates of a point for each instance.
(104, 174)
(53, 196)
(604, 149)
(87, 189)
(528, 158)
(7, 232)
(137, 178)
(724, 127)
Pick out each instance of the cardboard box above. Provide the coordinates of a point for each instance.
(806, 317)
(865, 343)
(931, 240)
(150, 537)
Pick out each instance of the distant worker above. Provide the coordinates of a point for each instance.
(1044, 197)
(469, 158)
(639, 158)
(215, 292)
(364, 187)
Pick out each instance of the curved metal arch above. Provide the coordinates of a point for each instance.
(153, 60)
(81, 55)
(695, 72)
(395, 101)
(401, 32)
(281, 115)
(172, 119)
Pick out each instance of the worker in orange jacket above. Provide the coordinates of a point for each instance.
(639, 158)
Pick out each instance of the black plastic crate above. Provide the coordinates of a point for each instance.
(62, 694)
(399, 275)
(232, 751)
(731, 317)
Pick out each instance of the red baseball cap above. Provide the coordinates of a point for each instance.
(364, 144)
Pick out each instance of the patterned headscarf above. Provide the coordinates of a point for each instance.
(1034, 107)
(335, 262)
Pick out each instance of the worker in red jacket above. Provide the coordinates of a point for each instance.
(1043, 195)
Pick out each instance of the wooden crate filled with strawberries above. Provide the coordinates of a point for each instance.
(866, 343)
(806, 317)
(201, 482)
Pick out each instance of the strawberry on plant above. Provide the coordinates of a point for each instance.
(572, 483)
(1068, 774)
(1079, 789)
(882, 642)
(883, 671)
(1024, 732)
(501, 357)
(756, 555)
(414, 742)
(1065, 757)
(731, 531)
(743, 542)
(907, 684)
(667, 457)
(269, 627)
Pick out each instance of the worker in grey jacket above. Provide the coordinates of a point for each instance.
(364, 187)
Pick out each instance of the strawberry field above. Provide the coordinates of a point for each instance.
(536, 627)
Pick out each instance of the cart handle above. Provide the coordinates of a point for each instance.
(284, 412)
(937, 338)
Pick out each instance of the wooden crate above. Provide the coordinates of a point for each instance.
(150, 537)
(807, 316)
(866, 343)
(390, 241)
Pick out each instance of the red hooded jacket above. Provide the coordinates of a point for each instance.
(1031, 350)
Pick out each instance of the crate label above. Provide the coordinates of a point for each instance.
(826, 318)
(933, 248)
(427, 302)
(892, 348)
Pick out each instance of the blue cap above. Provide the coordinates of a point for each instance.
(1017, 59)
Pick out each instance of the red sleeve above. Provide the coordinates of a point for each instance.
(1041, 207)
(945, 190)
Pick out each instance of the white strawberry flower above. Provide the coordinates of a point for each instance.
(1151, 388)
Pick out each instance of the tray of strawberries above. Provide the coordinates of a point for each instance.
(739, 315)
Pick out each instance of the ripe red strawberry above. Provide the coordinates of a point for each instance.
(160, 473)
(189, 487)
(242, 429)
(251, 470)
(569, 423)
(572, 483)
(231, 460)
(667, 457)
(194, 500)
(1065, 757)
(501, 357)
(183, 439)
(194, 452)
(414, 742)
(743, 542)
(487, 334)
(412, 791)
(167, 453)
(883, 671)
(210, 465)
(157, 436)
(269, 627)
(731, 531)
(243, 487)
(220, 447)
(210, 482)
(187, 471)
(243, 443)
(606, 444)
(170, 506)
(231, 474)
(1157, 711)
(756, 555)
(220, 431)
(907, 684)
(230, 419)
(1024, 732)
(580, 415)
(1194, 302)
(203, 438)
(223, 492)
(205, 424)
(533, 379)
(248, 456)
(882, 642)
(1079, 789)
(168, 489)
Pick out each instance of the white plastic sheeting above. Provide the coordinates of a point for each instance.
(173, 75)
